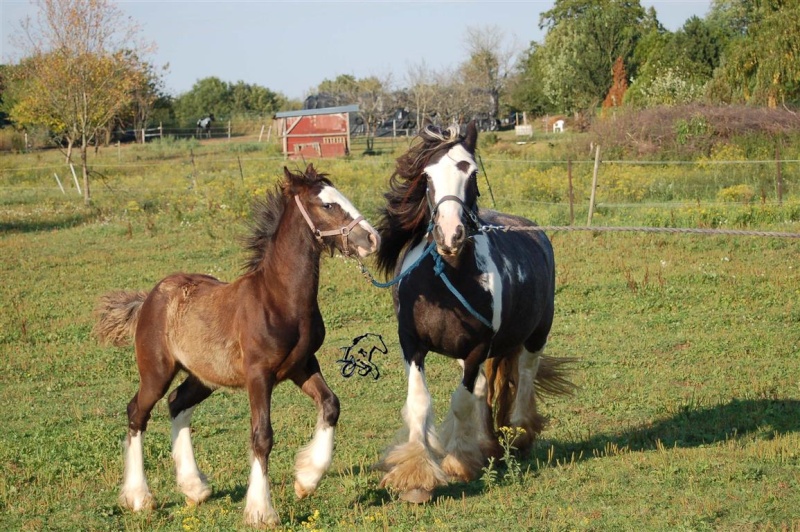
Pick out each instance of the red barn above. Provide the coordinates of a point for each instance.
(316, 132)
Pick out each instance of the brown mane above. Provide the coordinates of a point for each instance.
(267, 213)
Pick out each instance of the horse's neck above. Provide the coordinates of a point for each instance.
(292, 260)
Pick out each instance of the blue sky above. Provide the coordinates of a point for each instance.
(290, 47)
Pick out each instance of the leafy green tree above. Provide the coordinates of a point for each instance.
(761, 64)
(584, 39)
(211, 95)
(675, 67)
(525, 89)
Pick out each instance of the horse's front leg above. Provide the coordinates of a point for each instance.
(467, 432)
(413, 466)
(258, 510)
(315, 458)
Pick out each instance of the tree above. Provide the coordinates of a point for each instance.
(77, 71)
(421, 91)
(486, 71)
(372, 94)
(674, 68)
(585, 37)
(525, 87)
(618, 87)
(761, 64)
(211, 95)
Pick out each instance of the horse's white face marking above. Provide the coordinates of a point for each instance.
(450, 180)
(490, 279)
(331, 195)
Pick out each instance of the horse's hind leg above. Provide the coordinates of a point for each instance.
(524, 412)
(315, 458)
(466, 431)
(135, 493)
(182, 401)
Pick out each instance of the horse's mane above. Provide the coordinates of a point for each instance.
(267, 213)
(404, 218)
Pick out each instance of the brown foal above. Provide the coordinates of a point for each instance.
(263, 328)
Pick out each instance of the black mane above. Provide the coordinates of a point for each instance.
(267, 213)
(404, 218)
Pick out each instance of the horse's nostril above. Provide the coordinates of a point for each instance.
(459, 236)
(375, 240)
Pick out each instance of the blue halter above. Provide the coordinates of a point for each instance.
(438, 269)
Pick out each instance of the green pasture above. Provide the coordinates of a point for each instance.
(687, 414)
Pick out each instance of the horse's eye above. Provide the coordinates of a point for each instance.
(327, 205)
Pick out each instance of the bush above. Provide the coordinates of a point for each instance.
(737, 194)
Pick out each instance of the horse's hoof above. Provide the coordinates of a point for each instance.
(416, 496)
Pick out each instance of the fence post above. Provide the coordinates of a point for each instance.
(571, 193)
(75, 178)
(59, 184)
(161, 131)
(262, 132)
(194, 180)
(229, 130)
(779, 177)
(594, 184)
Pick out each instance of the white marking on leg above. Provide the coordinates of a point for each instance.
(135, 493)
(490, 280)
(314, 460)
(524, 402)
(417, 412)
(191, 480)
(259, 510)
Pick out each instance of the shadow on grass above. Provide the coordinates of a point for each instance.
(690, 427)
(33, 226)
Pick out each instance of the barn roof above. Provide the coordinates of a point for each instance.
(324, 111)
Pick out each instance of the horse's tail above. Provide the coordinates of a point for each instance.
(117, 314)
(503, 376)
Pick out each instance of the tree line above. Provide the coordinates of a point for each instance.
(83, 73)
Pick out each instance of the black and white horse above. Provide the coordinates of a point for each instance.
(204, 126)
(483, 297)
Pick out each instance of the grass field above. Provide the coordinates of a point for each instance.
(687, 415)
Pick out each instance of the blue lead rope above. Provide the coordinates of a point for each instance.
(428, 250)
(438, 269)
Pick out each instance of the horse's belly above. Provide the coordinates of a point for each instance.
(218, 366)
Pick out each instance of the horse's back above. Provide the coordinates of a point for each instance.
(526, 260)
(189, 317)
(521, 231)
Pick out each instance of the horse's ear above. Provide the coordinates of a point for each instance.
(471, 137)
(310, 172)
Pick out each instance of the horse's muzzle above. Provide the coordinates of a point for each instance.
(453, 248)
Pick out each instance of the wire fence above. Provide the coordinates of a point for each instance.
(577, 194)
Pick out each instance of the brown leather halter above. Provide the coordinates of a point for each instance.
(344, 231)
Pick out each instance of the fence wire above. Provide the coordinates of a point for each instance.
(622, 229)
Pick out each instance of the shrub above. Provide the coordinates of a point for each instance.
(737, 194)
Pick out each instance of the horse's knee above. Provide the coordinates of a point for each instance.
(330, 410)
(137, 419)
(261, 440)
